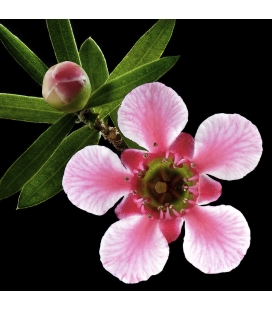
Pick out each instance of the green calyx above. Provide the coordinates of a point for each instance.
(164, 184)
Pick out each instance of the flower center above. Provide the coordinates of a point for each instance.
(161, 187)
(167, 187)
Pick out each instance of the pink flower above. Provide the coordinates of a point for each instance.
(164, 186)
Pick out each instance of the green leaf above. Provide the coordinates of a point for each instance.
(94, 63)
(147, 49)
(28, 109)
(110, 95)
(23, 55)
(63, 41)
(48, 181)
(25, 167)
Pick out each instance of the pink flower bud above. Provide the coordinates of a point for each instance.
(66, 87)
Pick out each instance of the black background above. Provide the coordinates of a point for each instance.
(224, 68)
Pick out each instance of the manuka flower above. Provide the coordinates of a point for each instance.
(164, 186)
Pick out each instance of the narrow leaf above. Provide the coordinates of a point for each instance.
(48, 181)
(110, 95)
(23, 55)
(63, 41)
(35, 156)
(94, 63)
(147, 49)
(27, 109)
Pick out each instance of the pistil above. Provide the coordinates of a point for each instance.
(161, 187)
(166, 186)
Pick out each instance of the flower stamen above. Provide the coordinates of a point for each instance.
(161, 215)
(195, 177)
(194, 189)
(181, 161)
(167, 214)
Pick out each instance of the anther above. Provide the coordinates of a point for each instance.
(164, 160)
(185, 187)
(145, 155)
(193, 165)
(134, 192)
(141, 174)
(185, 200)
(173, 166)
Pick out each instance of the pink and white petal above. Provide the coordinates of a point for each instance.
(227, 146)
(133, 249)
(171, 228)
(209, 190)
(94, 179)
(152, 115)
(216, 238)
(127, 207)
(183, 145)
(136, 159)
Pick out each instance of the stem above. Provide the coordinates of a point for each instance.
(109, 133)
(112, 135)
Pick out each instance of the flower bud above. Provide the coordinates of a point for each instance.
(66, 87)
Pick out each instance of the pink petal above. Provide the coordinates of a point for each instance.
(67, 71)
(227, 146)
(127, 207)
(209, 190)
(171, 228)
(183, 145)
(133, 249)
(136, 160)
(67, 91)
(216, 238)
(94, 179)
(152, 115)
